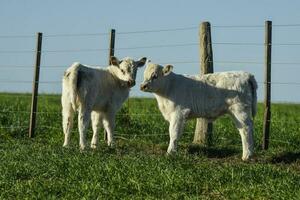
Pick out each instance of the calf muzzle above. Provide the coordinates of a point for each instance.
(131, 83)
(144, 86)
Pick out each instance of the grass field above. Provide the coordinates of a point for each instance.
(137, 168)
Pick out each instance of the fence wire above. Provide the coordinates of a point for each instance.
(163, 62)
(144, 47)
(193, 27)
(138, 81)
(134, 32)
(59, 113)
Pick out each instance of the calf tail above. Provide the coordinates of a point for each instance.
(70, 83)
(253, 85)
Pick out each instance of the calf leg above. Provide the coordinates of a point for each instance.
(109, 126)
(244, 124)
(84, 116)
(175, 130)
(67, 115)
(96, 124)
(247, 140)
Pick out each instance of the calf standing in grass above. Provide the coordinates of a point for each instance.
(97, 94)
(208, 96)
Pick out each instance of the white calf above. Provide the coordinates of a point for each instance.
(97, 93)
(209, 96)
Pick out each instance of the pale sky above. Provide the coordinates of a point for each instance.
(77, 31)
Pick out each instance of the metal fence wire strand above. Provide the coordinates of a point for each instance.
(145, 47)
(155, 46)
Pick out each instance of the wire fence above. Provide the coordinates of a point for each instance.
(144, 47)
(151, 31)
(59, 113)
(159, 46)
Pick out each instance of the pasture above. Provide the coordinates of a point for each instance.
(137, 168)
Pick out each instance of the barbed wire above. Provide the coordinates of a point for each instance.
(103, 33)
(153, 46)
(40, 82)
(279, 83)
(195, 27)
(10, 127)
(158, 30)
(16, 36)
(123, 135)
(16, 51)
(138, 81)
(237, 26)
(116, 133)
(65, 66)
(59, 113)
(121, 114)
(97, 49)
(27, 95)
(254, 26)
(286, 25)
(75, 35)
(145, 47)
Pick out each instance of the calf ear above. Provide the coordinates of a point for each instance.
(114, 61)
(67, 74)
(167, 70)
(141, 62)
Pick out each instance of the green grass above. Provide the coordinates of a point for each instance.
(137, 168)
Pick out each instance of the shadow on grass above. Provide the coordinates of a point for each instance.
(212, 152)
(286, 157)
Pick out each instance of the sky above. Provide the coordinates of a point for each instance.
(76, 30)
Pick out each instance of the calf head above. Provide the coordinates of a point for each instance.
(154, 76)
(128, 68)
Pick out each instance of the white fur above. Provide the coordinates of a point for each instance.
(97, 94)
(209, 96)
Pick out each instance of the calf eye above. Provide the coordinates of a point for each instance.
(154, 76)
(122, 71)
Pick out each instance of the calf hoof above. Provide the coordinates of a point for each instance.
(171, 152)
(111, 144)
(65, 145)
(247, 157)
(171, 155)
(82, 147)
(93, 146)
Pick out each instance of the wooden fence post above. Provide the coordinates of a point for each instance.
(267, 100)
(35, 85)
(110, 54)
(203, 131)
(111, 45)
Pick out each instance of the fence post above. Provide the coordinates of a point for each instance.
(35, 85)
(203, 131)
(110, 54)
(267, 100)
(111, 45)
